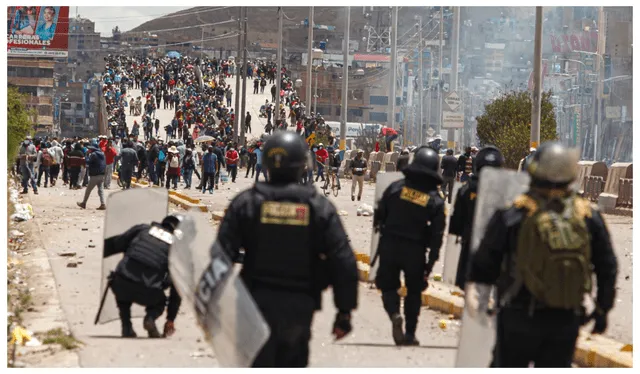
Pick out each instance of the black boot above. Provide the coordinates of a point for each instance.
(391, 303)
(396, 329)
(411, 340)
(127, 331)
(150, 325)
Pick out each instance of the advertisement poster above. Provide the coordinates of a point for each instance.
(38, 31)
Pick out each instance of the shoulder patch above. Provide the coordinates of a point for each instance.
(441, 194)
(414, 196)
(472, 196)
(524, 201)
(284, 213)
(583, 207)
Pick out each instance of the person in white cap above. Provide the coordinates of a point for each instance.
(173, 167)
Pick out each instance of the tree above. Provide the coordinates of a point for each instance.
(19, 121)
(506, 124)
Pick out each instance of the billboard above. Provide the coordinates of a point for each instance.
(38, 31)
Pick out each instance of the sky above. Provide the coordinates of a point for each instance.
(106, 18)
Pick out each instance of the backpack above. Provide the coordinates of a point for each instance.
(175, 162)
(47, 160)
(553, 254)
(161, 156)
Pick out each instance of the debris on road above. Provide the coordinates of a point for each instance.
(23, 212)
(67, 254)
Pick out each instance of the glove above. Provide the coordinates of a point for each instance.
(601, 322)
(477, 300)
(169, 329)
(342, 325)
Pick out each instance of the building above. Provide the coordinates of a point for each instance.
(148, 44)
(34, 77)
(78, 108)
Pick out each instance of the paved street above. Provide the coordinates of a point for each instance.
(66, 228)
(359, 228)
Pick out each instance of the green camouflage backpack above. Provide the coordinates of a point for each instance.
(553, 256)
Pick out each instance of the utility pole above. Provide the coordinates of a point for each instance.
(421, 85)
(391, 113)
(202, 43)
(315, 94)
(276, 114)
(245, 12)
(439, 87)
(455, 49)
(345, 80)
(309, 61)
(600, 69)
(537, 81)
(238, 75)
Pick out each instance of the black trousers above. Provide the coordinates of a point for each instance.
(447, 187)
(289, 316)
(547, 338)
(127, 293)
(251, 166)
(54, 172)
(74, 174)
(125, 177)
(208, 177)
(400, 255)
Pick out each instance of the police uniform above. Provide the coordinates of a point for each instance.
(411, 218)
(461, 223)
(294, 247)
(142, 276)
(529, 330)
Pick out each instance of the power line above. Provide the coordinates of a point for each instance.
(164, 16)
(161, 45)
(155, 31)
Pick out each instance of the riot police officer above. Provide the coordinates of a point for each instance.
(461, 223)
(541, 252)
(410, 217)
(142, 276)
(294, 247)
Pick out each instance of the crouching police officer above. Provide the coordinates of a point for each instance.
(410, 218)
(294, 247)
(143, 274)
(461, 223)
(541, 252)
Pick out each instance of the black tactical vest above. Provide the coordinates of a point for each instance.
(151, 248)
(407, 212)
(285, 253)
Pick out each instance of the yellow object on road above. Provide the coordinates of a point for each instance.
(20, 336)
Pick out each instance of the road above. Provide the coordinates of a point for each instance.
(359, 228)
(66, 228)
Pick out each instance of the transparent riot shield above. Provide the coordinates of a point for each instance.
(453, 244)
(383, 181)
(210, 285)
(496, 190)
(126, 209)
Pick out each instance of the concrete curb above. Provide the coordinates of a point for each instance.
(52, 315)
(174, 197)
(591, 350)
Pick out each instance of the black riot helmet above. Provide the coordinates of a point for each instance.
(425, 162)
(171, 222)
(488, 156)
(285, 156)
